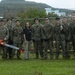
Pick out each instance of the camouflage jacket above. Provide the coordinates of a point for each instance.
(4, 33)
(10, 29)
(58, 33)
(72, 26)
(36, 32)
(17, 34)
(47, 31)
(67, 31)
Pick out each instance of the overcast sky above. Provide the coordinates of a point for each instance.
(69, 4)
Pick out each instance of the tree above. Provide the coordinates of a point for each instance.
(52, 15)
(32, 13)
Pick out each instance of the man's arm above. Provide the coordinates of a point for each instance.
(7, 34)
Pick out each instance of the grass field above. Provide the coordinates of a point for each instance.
(37, 67)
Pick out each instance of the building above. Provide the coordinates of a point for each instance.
(50, 10)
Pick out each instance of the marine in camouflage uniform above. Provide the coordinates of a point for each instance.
(17, 37)
(72, 26)
(36, 37)
(67, 31)
(10, 26)
(4, 35)
(47, 35)
(59, 36)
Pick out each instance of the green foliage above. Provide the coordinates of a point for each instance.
(32, 13)
(52, 15)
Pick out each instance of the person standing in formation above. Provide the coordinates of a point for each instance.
(18, 37)
(47, 35)
(59, 33)
(4, 35)
(10, 26)
(67, 31)
(72, 27)
(36, 37)
(27, 39)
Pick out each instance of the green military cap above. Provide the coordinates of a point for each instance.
(57, 18)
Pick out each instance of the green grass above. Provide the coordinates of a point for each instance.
(37, 67)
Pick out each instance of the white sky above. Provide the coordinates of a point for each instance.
(69, 4)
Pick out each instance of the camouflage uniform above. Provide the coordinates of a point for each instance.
(10, 40)
(17, 38)
(36, 37)
(47, 34)
(4, 33)
(60, 40)
(67, 38)
(72, 26)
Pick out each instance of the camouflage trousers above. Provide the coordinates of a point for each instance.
(38, 48)
(67, 49)
(47, 46)
(73, 42)
(18, 51)
(63, 45)
(3, 52)
(10, 50)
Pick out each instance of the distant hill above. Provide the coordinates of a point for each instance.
(12, 7)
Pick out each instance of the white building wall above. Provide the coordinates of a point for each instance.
(49, 10)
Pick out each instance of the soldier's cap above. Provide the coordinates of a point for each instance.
(1, 20)
(36, 19)
(57, 18)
